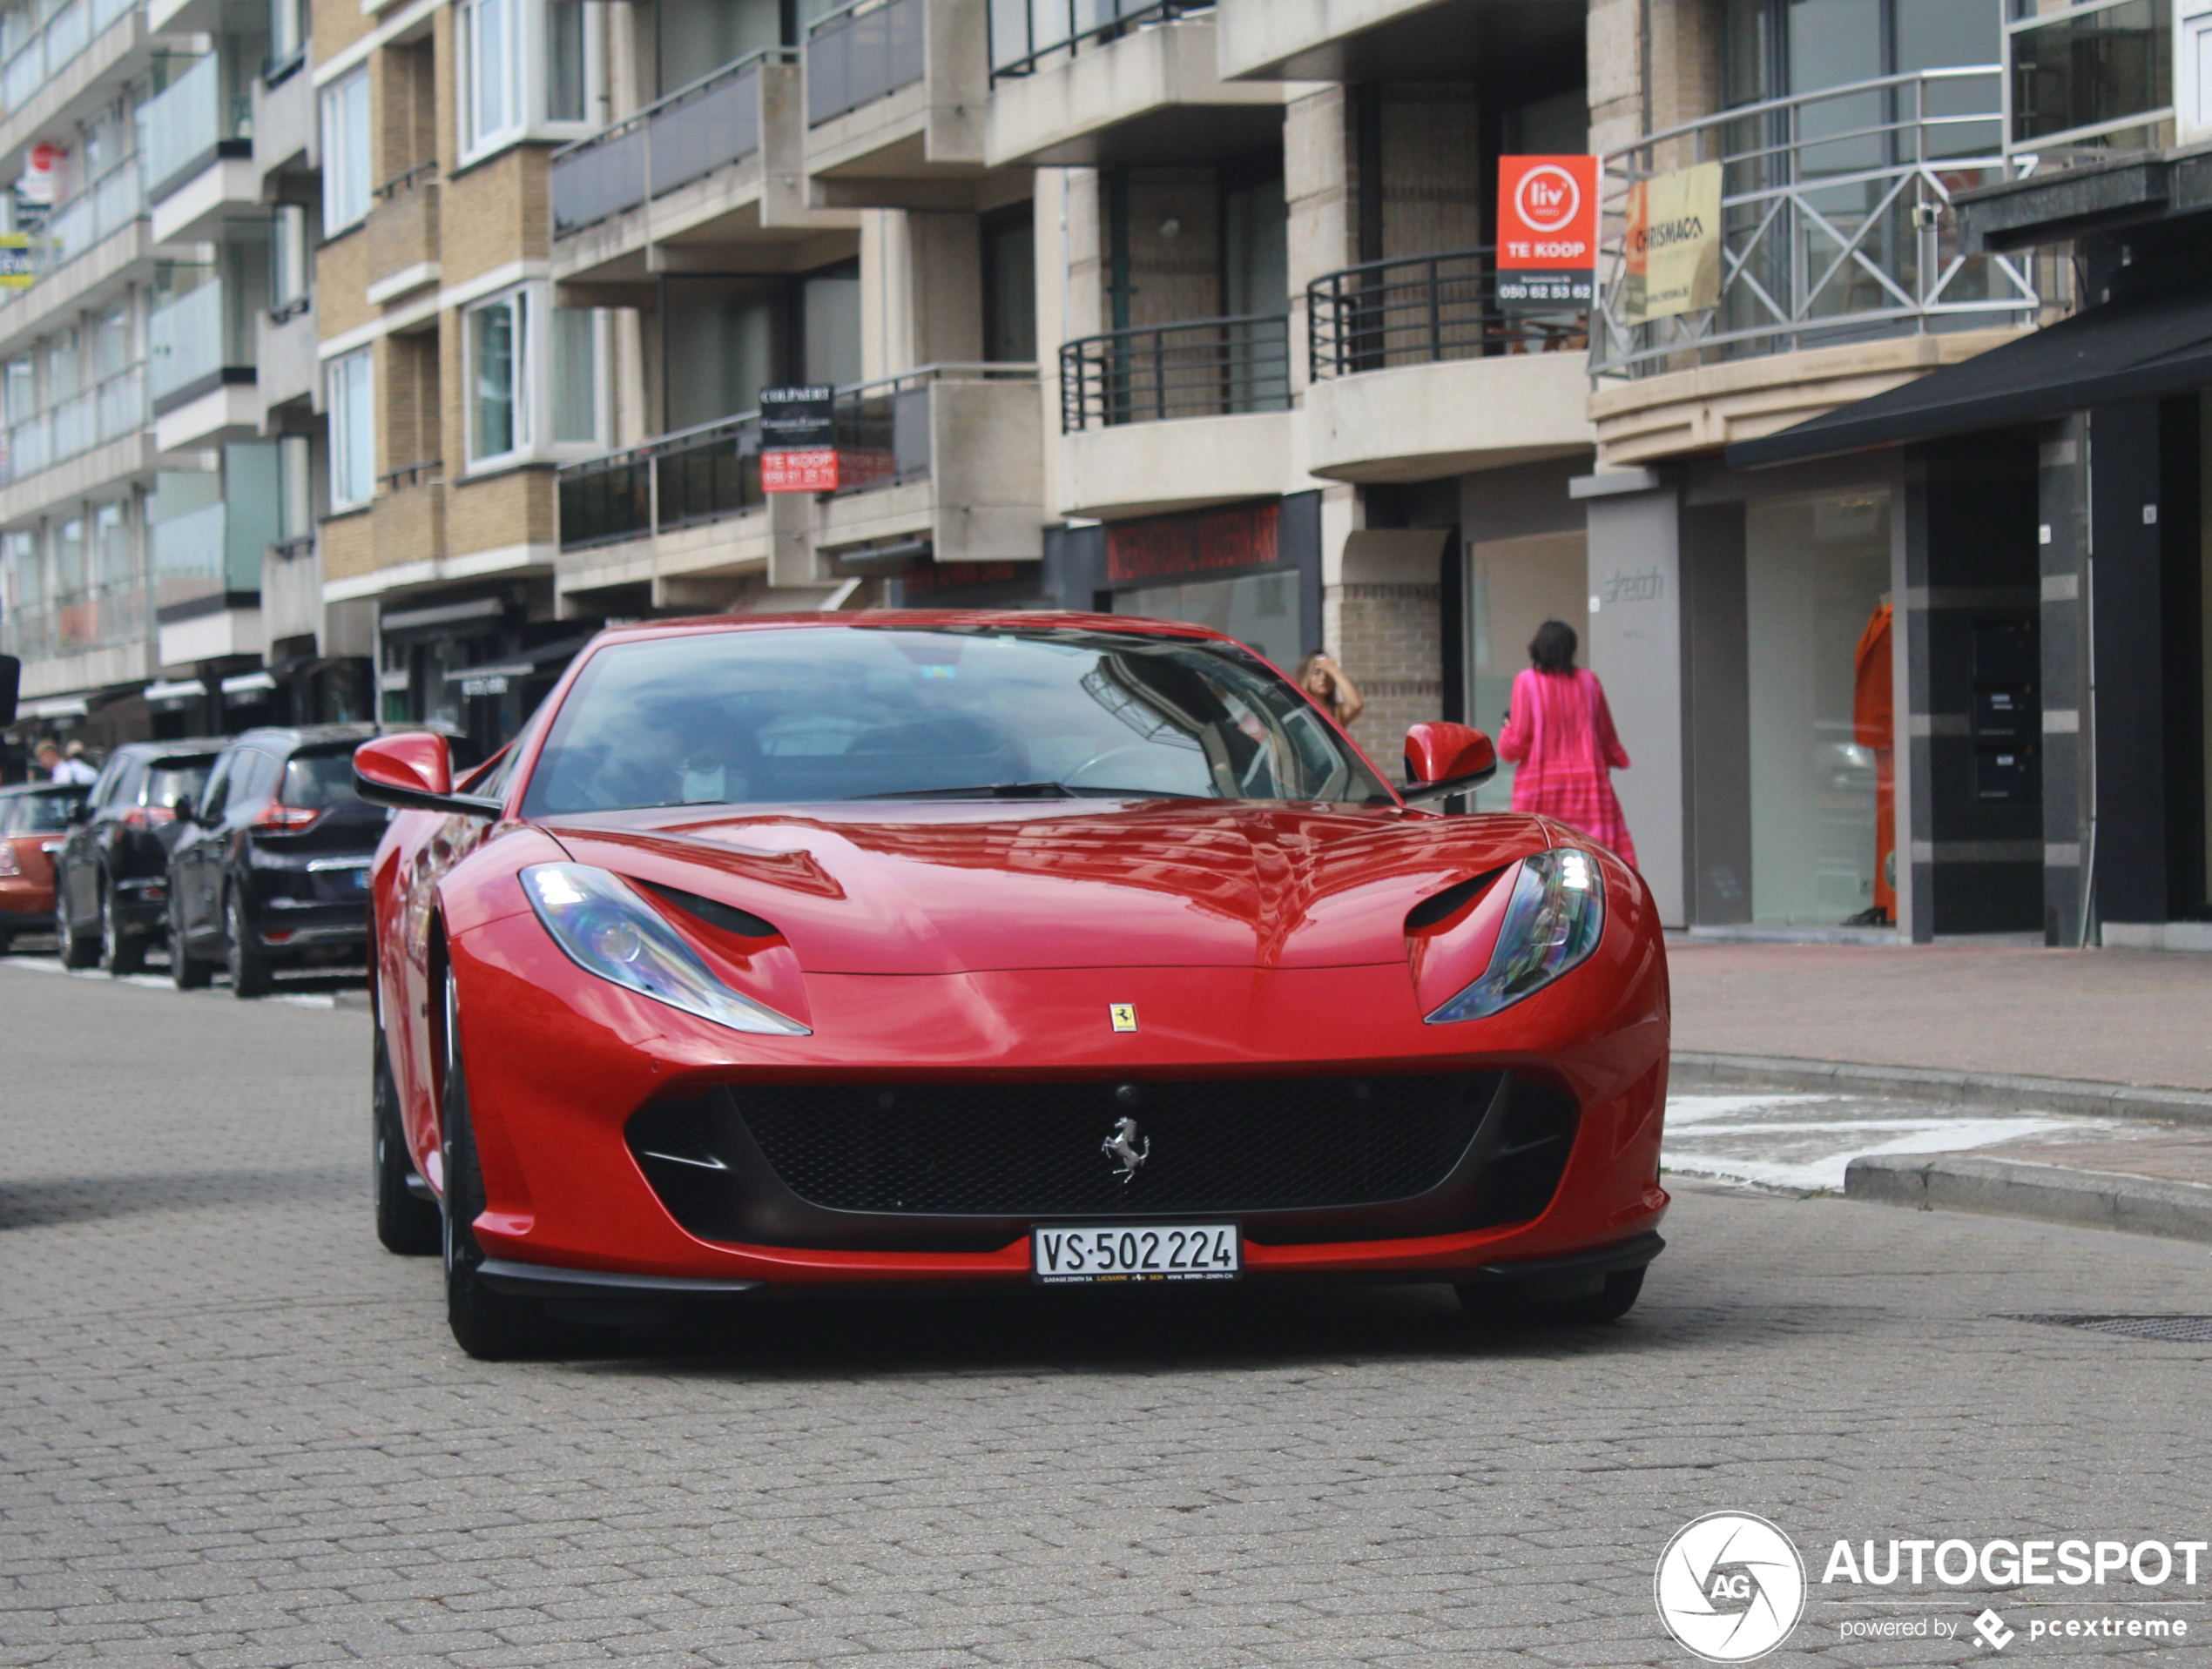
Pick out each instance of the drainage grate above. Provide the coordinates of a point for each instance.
(2180, 1329)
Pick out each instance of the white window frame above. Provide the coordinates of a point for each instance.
(348, 188)
(524, 67)
(344, 374)
(534, 379)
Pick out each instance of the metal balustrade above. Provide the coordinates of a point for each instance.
(689, 476)
(182, 123)
(708, 125)
(47, 53)
(108, 411)
(92, 617)
(1205, 367)
(1027, 34)
(1421, 309)
(1835, 223)
(862, 52)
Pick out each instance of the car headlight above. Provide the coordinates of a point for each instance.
(1552, 923)
(606, 929)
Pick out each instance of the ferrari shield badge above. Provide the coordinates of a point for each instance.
(1124, 1016)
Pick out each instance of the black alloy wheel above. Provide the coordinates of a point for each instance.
(120, 952)
(1529, 1304)
(187, 972)
(76, 950)
(406, 1223)
(489, 1324)
(250, 971)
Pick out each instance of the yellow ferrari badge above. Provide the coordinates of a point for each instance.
(1124, 1016)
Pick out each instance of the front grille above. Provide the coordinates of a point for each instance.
(799, 1163)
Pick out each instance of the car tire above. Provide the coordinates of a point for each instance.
(7, 941)
(489, 1324)
(120, 952)
(187, 972)
(76, 950)
(250, 971)
(406, 1224)
(1503, 1301)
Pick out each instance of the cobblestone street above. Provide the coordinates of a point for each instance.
(238, 1433)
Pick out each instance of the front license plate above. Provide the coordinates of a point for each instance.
(1137, 1252)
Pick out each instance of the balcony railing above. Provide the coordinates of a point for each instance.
(862, 52)
(67, 33)
(689, 476)
(95, 214)
(883, 428)
(403, 223)
(95, 618)
(1208, 367)
(215, 551)
(182, 123)
(1835, 223)
(696, 129)
(1420, 309)
(1027, 34)
(107, 411)
(193, 337)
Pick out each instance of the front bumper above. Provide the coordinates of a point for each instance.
(559, 1062)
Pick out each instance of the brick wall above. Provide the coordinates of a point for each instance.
(1389, 639)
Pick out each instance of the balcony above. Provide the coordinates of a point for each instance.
(684, 479)
(97, 617)
(286, 361)
(194, 137)
(408, 520)
(80, 45)
(201, 376)
(112, 409)
(1098, 83)
(895, 93)
(1361, 40)
(715, 165)
(60, 274)
(286, 122)
(207, 579)
(1839, 271)
(1417, 373)
(403, 234)
(2096, 79)
(949, 457)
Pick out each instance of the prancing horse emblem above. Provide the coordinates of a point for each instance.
(1121, 1146)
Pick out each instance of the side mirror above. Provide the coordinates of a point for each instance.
(1447, 759)
(183, 809)
(10, 682)
(414, 771)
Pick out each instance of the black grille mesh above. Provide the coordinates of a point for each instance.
(1035, 1149)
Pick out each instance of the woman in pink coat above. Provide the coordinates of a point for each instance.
(1560, 733)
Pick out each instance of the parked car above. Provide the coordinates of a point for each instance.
(112, 875)
(34, 821)
(992, 951)
(270, 868)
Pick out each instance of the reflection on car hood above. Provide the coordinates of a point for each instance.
(938, 888)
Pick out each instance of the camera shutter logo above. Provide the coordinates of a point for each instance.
(1730, 1587)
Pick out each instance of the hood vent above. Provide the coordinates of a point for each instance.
(1449, 902)
(730, 919)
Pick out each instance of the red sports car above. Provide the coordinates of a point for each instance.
(991, 950)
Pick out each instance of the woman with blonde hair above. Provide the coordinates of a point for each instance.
(1559, 732)
(1324, 680)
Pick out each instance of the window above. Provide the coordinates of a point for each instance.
(344, 153)
(575, 376)
(529, 68)
(289, 269)
(353, 433)
(497, 383)
(288, 32)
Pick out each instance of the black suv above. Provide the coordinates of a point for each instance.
(112, 875)
(273, 866)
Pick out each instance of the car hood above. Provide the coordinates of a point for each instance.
(965, 888)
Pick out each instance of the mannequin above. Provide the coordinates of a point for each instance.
(1873, 715)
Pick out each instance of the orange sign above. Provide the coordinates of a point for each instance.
(1547, 232)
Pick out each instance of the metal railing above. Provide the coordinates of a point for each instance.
(700, 473)
(95, 214)
(193, 337)
(108, 410)
(1025, 34)
(710, 123)
(883, 427)
(183, 123)
(1421, 309)
(1835, 223)
(92, 617)
(68, 33)
(862, 52)
(1206, 368)
(213, 551)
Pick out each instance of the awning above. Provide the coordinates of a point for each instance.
(491, 677)
(174, 692)
(2138, 348)
(249, 683)
(54, 707)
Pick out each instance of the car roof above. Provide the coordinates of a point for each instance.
(288, 737)
(17, 790)
(1031, 620)
(179, 749)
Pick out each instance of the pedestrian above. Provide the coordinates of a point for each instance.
(1559, 732)
(1324, 680)
(70, 768)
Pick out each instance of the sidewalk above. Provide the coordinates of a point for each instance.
(2100, 1062)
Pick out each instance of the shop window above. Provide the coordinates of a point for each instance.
(1259, 611)
(1512, 587)
(1817, 571)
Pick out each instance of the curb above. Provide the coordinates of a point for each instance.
(2014, 1187)
(1693, 1070)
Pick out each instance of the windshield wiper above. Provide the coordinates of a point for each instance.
(978, 792)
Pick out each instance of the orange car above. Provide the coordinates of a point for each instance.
(34, 819)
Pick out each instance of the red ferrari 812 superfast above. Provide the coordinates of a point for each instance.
(889, 951)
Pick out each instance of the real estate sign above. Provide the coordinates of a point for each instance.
(1673, 245)
(1546, 233)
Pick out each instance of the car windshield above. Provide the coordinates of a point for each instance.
(807, 714)
(35, 813)
(318, 779)
(168, 783)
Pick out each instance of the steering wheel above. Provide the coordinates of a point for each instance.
(1137, 749)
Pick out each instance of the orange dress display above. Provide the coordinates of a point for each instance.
(1873, 717)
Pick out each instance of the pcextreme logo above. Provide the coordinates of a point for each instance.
(1730, 1587)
